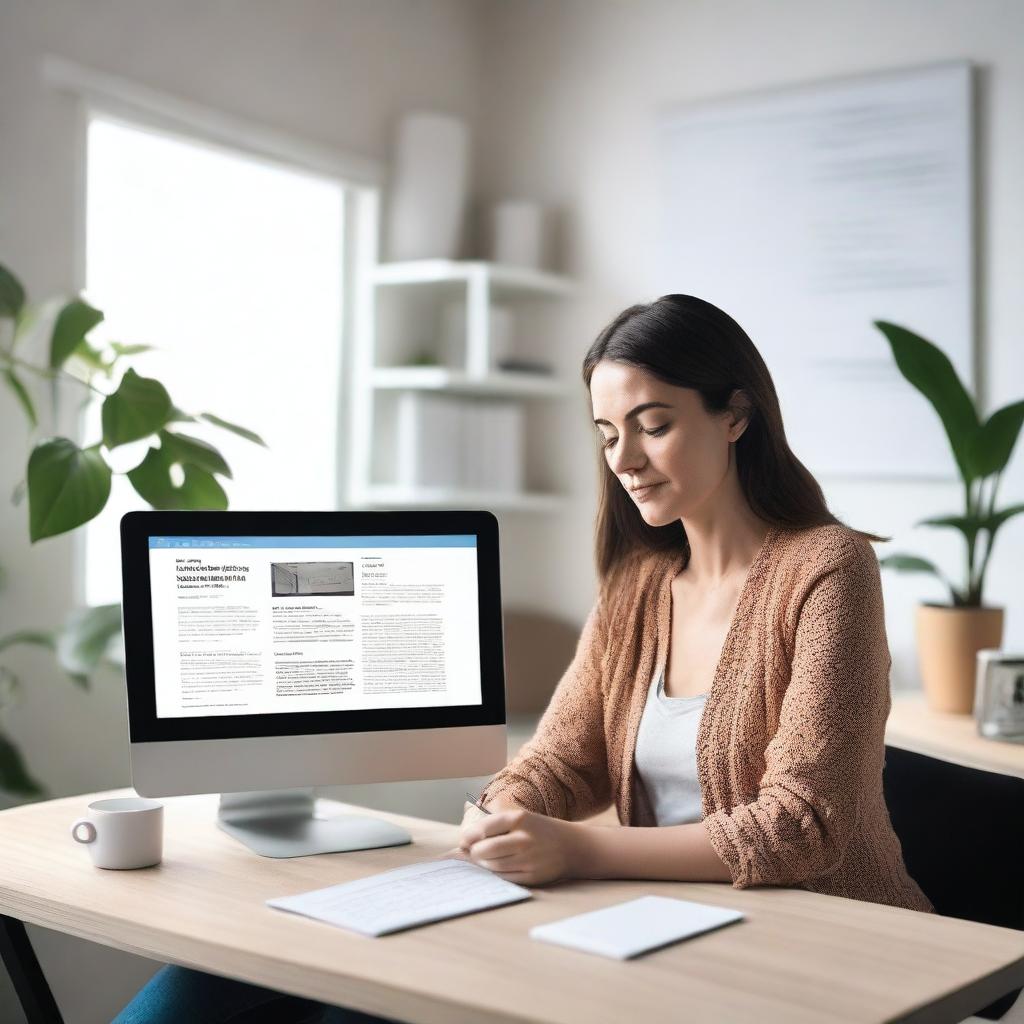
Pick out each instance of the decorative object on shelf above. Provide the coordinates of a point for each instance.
(518, 235)
(999, 700)
(525, 366)
(949, 636)
(429, 190)
(424, 357)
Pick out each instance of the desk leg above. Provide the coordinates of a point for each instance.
(29, 981)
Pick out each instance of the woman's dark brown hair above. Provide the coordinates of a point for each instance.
(690, 343)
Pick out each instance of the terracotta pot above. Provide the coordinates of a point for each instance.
(948, 641)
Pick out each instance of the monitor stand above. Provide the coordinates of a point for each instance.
(283, 823)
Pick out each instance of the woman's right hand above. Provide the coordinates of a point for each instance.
(470, 812)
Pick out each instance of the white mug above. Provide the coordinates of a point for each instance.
(127, 832)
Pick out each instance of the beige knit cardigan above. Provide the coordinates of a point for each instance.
(791, 740)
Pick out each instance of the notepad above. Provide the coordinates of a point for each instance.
(627, 929)
(406, 897)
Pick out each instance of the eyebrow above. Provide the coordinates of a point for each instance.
(634, 412)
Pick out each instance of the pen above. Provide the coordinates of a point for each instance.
(476, 802)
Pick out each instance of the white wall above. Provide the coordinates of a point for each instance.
(570, 95)
(337, 72)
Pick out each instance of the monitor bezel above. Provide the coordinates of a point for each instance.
(137, 617)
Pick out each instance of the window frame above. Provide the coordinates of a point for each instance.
(133, 105)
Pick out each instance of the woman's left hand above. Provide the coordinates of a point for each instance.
(524, 847)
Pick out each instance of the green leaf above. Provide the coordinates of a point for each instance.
(74, 322)
(28, 636)
(967, 525)
(21, 393)
(909, 563)
(12, 294)
(912, 563)
(998, 518)
(67, 486)
(191, 451)
(14, 776)
(152, 480)
(84, 638)
(129, 350)
(177, 416)
(993, 444)
(92, 357)
(970, 526)
(19, 492)
(928, 368)
(139, 407)
(234, 428)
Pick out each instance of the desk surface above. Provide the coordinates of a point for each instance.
(798, 957)
(914, 726)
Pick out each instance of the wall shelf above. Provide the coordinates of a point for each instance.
(501, 279)
(436, 423)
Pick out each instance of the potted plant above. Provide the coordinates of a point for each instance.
(950, 635)
(67, 484)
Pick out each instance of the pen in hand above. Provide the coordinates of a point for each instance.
(476, 803)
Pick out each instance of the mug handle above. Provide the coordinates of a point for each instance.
(90, 831)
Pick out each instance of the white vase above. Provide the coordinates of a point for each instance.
(429, 188)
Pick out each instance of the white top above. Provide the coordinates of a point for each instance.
(666, 754)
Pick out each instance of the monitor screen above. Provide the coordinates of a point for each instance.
(264, 623)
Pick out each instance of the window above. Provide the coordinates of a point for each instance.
(233, 268)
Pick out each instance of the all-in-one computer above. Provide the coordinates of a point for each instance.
(268, 652)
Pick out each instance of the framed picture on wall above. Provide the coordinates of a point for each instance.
(809, 212)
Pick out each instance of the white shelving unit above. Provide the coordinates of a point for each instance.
(398, 318)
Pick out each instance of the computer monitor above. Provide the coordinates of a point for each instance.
(270, 652)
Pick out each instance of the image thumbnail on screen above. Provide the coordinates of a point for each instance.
(305, 579)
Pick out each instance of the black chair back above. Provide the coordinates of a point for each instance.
(962, 832)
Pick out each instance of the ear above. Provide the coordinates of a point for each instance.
(740, 411)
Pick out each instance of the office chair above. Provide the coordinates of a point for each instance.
(962, 832)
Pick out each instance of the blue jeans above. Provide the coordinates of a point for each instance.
(176, 994)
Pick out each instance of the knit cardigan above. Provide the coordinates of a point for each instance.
(791, 741)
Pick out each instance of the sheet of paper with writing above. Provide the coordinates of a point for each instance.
(406, 897)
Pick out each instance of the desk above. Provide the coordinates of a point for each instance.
(799, 957)
(914, 726)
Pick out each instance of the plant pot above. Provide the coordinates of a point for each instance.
(948, 641)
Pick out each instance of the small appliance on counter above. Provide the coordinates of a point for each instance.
(999, 696)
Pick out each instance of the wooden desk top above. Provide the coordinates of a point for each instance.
(798, 956)
(914, 726)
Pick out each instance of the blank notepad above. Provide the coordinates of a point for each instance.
(406, 897)
(628, 929)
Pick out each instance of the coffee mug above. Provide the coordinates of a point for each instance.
(126, 832)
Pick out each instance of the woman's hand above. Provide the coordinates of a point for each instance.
(524, 847)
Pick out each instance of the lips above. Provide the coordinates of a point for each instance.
(643, 491)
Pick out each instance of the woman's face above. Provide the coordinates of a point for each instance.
(667, 451)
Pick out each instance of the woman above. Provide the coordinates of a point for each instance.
(731, 683)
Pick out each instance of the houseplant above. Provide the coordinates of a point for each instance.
(67, 485)
(950, 635)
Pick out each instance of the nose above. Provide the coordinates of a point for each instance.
(627, 455)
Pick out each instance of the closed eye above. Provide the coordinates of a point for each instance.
(607, 442)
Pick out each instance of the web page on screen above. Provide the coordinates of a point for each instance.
(260, 625)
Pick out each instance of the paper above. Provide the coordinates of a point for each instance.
(627, 929)
(406, 897)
